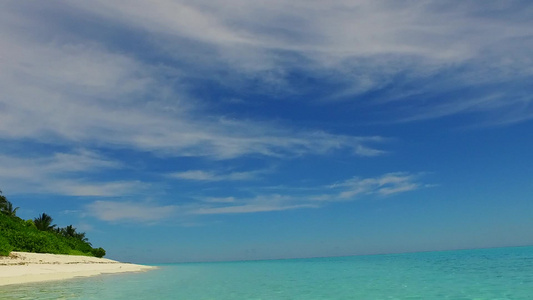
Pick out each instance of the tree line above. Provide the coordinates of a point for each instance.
(40, 234)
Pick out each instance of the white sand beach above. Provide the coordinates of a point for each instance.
(23, 267)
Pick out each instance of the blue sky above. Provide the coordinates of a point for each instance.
(202, 130)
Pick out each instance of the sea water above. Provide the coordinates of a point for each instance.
(501, 273)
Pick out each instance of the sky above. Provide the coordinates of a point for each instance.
(177, 131)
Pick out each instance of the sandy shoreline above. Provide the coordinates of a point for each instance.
(23, 267)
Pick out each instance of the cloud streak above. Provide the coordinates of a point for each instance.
(130, 211)
(63, 174)
(199, 175)
(362, 46)
(386, 185)
(76, 114)
(78, 90)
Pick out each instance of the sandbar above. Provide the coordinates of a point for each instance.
(24, 267)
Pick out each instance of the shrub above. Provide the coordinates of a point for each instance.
(99, 252)
(30, 224)
(5, 247)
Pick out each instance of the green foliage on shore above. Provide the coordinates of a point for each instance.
(40, 236)
(5, 247)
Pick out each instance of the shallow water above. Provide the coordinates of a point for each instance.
(502, 273)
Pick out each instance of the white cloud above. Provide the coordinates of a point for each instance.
(195, 175)
(337, 28)
(248, 208)
(262, 203)
(79, 93)
(350, 190)
(387, 184)
(81, 187)
(199, 175)
(360, 45)
(366, 151)
(327, 33)
(53, 164)
(63, 174)
(77, 89)
(113, 211)
(219, 200)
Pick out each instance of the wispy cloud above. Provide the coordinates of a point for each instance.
(77, 91)
(349, 190)
(113, 211)
(78, 88)
(63, 174)
(81, 160)
(376, 27)
(387, 184)
(249, 208)
(483, 48)
(200, 175)
(82, 187)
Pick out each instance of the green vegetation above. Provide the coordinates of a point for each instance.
(40, 235)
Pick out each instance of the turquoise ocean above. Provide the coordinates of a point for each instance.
(499, 273)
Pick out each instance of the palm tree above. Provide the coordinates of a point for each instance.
(3, 201)
(69, 231)
(44, 222)
(8, 209)
(81, 236)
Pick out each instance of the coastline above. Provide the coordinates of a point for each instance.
(24, 267)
